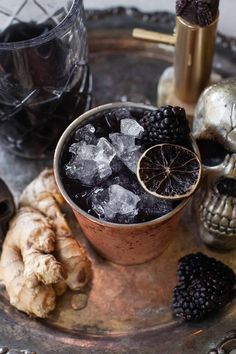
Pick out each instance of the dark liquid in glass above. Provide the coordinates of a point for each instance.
(39, 96)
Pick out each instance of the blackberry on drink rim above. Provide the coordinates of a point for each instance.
(165, 125)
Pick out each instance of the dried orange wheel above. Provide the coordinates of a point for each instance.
(169, 171)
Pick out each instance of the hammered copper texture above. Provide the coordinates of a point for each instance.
(134, 245)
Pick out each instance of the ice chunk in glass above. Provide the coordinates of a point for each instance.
(123, 143)
(86, 171)
(114, 202)
(126, 150)
(87, 134)
(105, 153)
(131, 127)
(95, 157)
(130, 159)
(121, 201)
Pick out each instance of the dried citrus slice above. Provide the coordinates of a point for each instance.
(169, 171)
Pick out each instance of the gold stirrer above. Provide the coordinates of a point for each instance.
(194, 41)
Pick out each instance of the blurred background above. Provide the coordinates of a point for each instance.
(227, 23)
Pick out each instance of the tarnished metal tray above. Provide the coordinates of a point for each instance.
(129, 308)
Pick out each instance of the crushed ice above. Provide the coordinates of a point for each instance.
(107, 203)
(131, 127)
(96, 161)
(90, 164)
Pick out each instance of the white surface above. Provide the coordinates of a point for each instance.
(227, 23)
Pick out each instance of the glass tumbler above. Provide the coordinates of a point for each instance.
(45, 80)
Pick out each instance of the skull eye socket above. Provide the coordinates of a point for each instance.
(227, 186)
(4, 209)
(212, 152)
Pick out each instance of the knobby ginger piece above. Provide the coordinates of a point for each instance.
(79, 301)
(23, 263)
(33, 235)
(45, 182)
(60, 288)
(43, 195)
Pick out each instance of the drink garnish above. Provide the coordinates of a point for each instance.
(169, 171)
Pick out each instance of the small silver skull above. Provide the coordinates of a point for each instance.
(214, 128)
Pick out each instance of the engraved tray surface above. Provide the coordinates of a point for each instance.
(129, 308)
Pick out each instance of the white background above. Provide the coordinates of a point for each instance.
(227, 23)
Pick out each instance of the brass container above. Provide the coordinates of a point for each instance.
(119, 243)
(194, 52)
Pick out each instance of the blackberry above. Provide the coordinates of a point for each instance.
(205, 285)
(165, 125)
(198, 265)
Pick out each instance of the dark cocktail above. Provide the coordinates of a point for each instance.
(95, 168)
(99, 165)
(44, 76)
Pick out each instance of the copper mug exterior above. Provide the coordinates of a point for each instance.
(120, 243)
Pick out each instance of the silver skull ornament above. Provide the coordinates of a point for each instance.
(214, 128)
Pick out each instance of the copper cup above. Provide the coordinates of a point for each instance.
(119, 243)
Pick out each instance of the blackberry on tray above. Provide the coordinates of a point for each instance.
(205, 285)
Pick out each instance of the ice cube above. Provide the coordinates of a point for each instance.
(100, 157)
(126, 150)
(130, 159)
(114, 117)
(82, 151)
(131, 127)
(97, 199)
(121, 113)
(87, 134)
(115, 204)
(123, 143)
(86, 171)
(104, 170)
(105, 153)
(121, 201)
(74, 148)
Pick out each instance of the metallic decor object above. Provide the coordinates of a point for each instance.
(214, 127)
(194, 41)
(196, 27)
(5, 350)
(227, 344)
(194, 51)
(44, 73)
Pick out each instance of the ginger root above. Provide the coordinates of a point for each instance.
(36, 241)
(28, 236)
(32, 275)
(43, 194)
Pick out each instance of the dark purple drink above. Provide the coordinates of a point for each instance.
(98, 170)
(45, 80)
